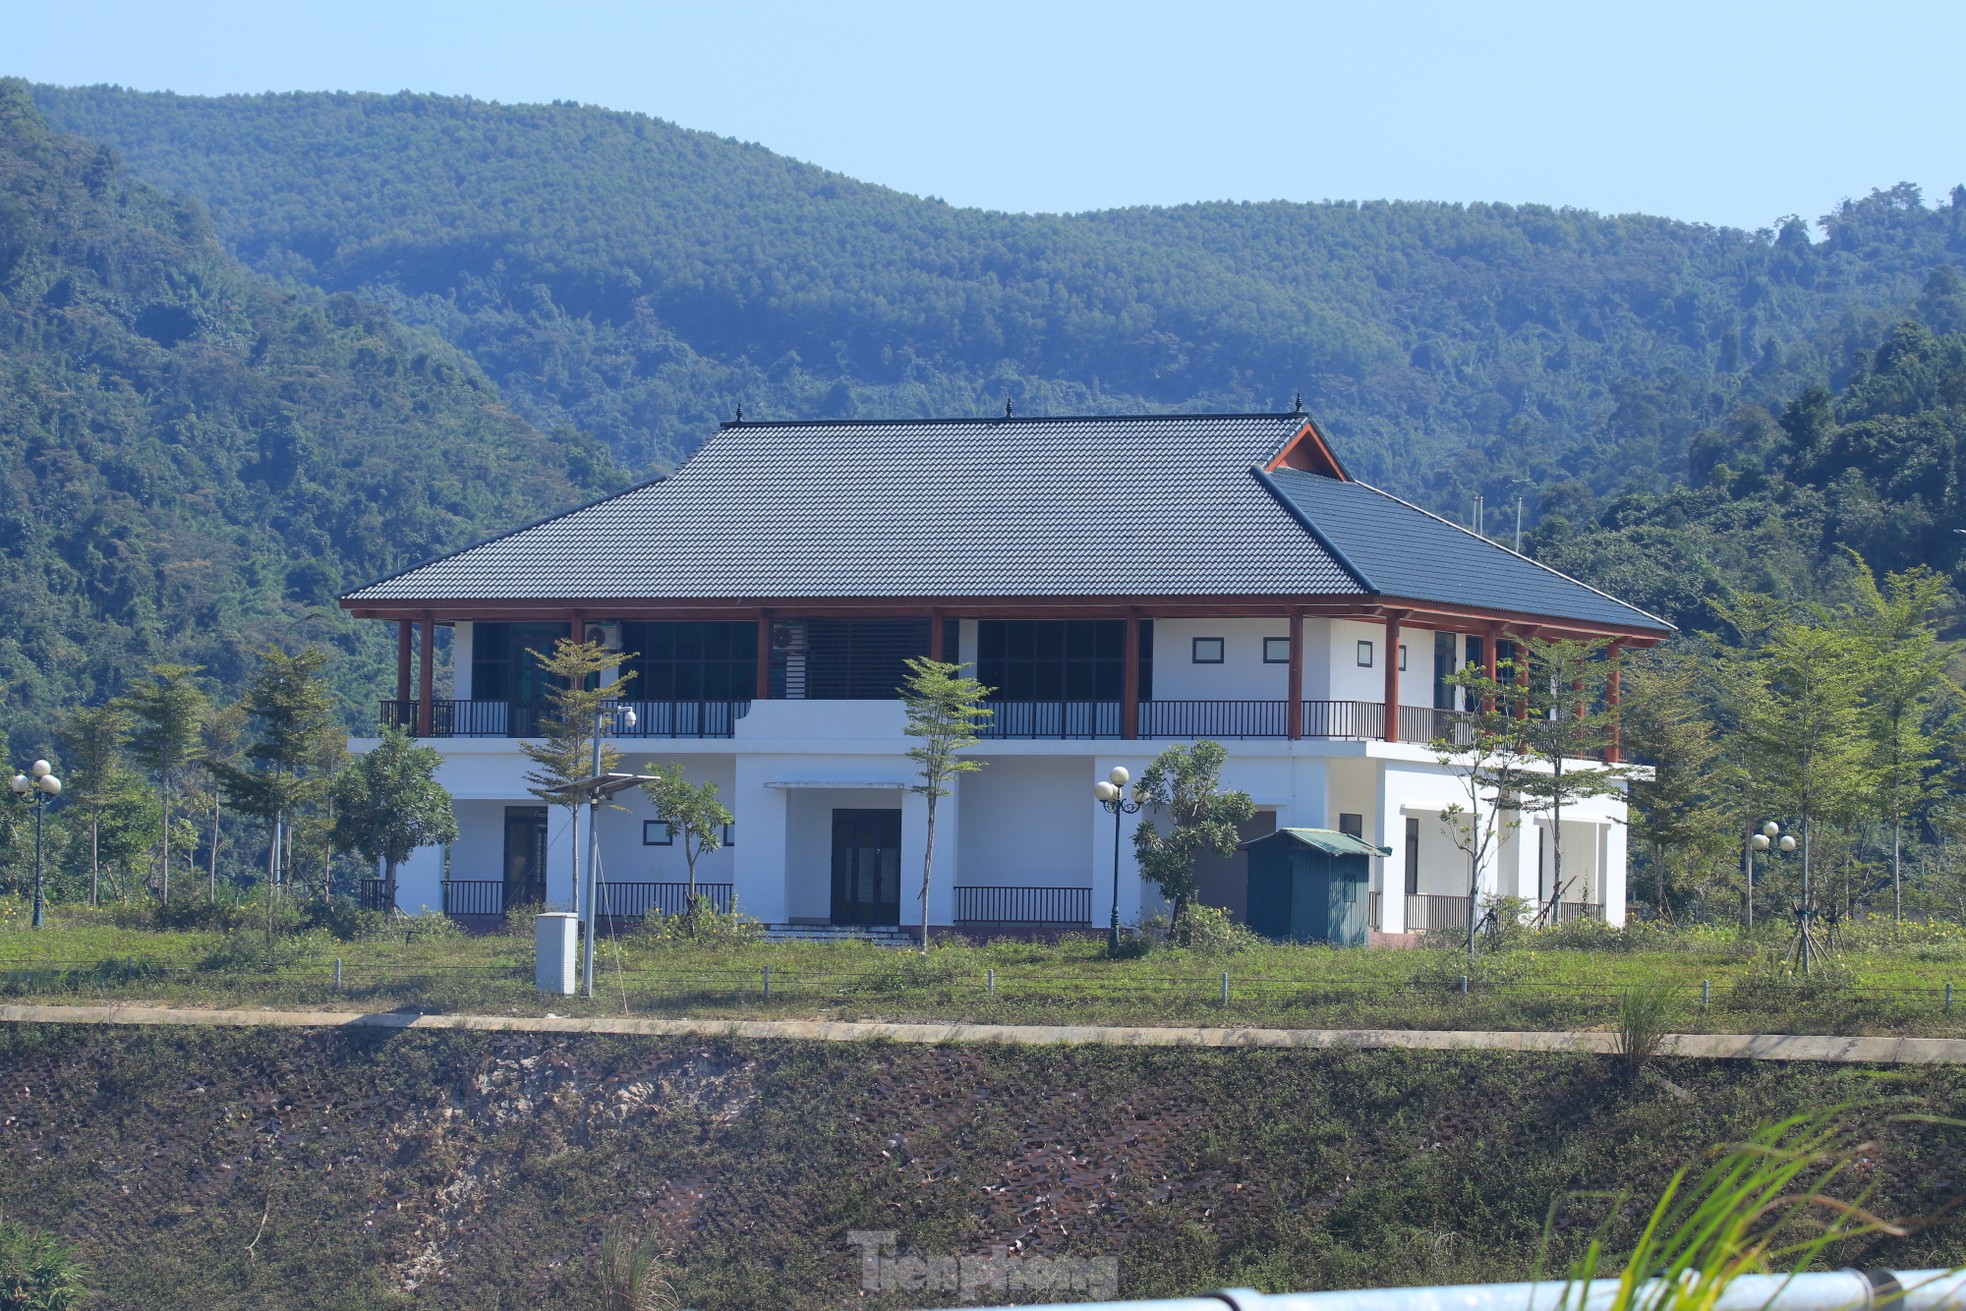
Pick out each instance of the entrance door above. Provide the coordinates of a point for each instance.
(866, 867)
(525, 856)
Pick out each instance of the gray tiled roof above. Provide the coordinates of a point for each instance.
(1158, 506)
(1401, 550)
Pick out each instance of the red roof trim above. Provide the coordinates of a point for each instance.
(1310, 452)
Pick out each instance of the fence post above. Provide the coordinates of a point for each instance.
(337, 974)
(1948, 998)
(1464, 985)
(990, 982)
(1225, 987)
(1706, 995)
(767, 983)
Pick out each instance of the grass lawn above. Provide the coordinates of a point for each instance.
(1882, 982)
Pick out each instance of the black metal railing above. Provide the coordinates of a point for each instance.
(671, 719)
(1568, 912)
(1028, 906)
(633, 901)
(373, 894)
(474, 897)
(1427, 912)
(1060, 719)
(1353, 719)
(1426, 724)
(1373, 902)
(1214, 718)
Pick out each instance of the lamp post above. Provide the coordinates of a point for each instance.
(1111, 793)
(624, 718)
(37, 792)
(1771, 832)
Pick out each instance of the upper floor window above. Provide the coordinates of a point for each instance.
(503, 666)
(1208, 651)
(1365, 655)
(844, 659)
(1052, 659)
(690, 661)
(1276, 650)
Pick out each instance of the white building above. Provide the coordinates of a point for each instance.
(1122, 582)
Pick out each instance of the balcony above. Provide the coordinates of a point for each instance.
(1353, 720)
(658, 719)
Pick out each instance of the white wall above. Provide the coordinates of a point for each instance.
(1023, 822)
(1242, 675)
(1349, 681)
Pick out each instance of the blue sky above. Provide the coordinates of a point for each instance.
(1715, 112)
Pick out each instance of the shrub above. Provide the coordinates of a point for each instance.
(714, 928)
(1771, 983)
(247, 949)
(946, 963)
(1210, 932)
(38, 1272)
(1442, 969)
(1643, 1013)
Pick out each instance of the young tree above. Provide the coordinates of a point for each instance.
(1186, 784)
(289, 763)
(223, 736)
(1486, 752)
(1897, 625)
(1668, 728)
(1564, 725)
(166, 710)
(388, 803)
(693, 813)
(93, 739)
(945, 712)
(570, 750)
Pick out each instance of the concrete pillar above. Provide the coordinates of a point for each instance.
(1613, 843)
(1387, 828)
(1310, 795)
(758, 860)
(420, 882)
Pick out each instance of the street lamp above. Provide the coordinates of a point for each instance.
(624, 722)
(1111, 793)
(37, 791)
(1771, 834)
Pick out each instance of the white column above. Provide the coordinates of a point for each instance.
(1310, 795)
(948, 870)
(420, 882)
(463, 634)
(1613, 845)
(758, 859)
(1389, 830)
(1518, 877)
(559, 857)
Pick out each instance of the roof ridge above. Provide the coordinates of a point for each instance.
(1296, 512)
(996, 419)
(1489, 541)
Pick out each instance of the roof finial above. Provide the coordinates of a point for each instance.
(1008, 408)
(1299, 404)
(740, 411)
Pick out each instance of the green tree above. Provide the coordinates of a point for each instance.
(93, 738)
(571, 745)
(693, 814)
(1566, 724)
(1486, 751)
(1184, 783)
(38, 1271)
(223, 736)
(388, 803)
(293, 752)
(166, 710)
(1668, 729)
(1903, 697)
(945, 712)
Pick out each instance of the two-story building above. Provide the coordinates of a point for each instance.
(1122, 583)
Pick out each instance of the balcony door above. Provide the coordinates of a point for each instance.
(866, 867)
(525, 856)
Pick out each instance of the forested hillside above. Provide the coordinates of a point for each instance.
(638, 280)
(193, 460)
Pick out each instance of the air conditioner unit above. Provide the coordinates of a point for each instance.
(606, 635)
(789, 637)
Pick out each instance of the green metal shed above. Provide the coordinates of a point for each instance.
(1310, 885)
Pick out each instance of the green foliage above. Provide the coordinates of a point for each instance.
(693, 814)
(165, 711)
(1644, 1019)
(704, 925)
(1205, 930)
(38, 1271)
(634, 1276)
(1184, 784)
(196, 459)
(388, 803)
(945, 713)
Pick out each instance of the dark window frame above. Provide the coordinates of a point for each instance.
(1366, 654)
(1272, 643)
(1196, 657)
(662, 826)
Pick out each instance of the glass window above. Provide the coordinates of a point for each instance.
(690, 661)
(1402, 657)
(1365, 655)
(1208, 651)
(1052, 660)
(657, 833)
(1352, 825)
(1412, 857)
(1276, 650)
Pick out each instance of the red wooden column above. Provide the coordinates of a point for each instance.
(402, 673)
(1392, 674)
(1522, 672)
(1614, 745)
(425, 670)
(935, 652)
(1491, 664)
(1293, 711)
(763, 690)
(1130, 679)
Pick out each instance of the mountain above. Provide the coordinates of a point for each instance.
(193, 460)
(638, 281)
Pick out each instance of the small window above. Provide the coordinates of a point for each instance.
(730, 835)
(1352, 826)
(1208, 650)
(1276, 650)
(657, 833)
(1412, 857)
(1365, 655)
(1402, 657)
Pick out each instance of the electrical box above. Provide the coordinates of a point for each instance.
(557, 940)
